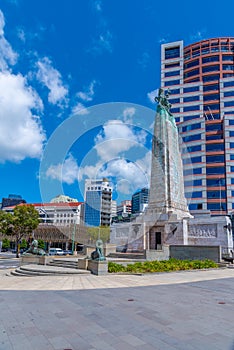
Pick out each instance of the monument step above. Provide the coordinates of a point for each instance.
(44, 270)
(61, 263)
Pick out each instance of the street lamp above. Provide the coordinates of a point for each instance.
(74, 231)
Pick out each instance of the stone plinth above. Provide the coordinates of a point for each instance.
(83, 264)
(98, 267)
(34, 259)
(109, 248)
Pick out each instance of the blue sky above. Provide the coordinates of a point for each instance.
(63, 67)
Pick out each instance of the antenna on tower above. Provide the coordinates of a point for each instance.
(210, 113)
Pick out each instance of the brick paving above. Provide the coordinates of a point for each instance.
(179, 310)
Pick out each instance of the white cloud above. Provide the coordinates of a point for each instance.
(21, 34)
(129, 175)
(102, 43)
(51, 78)
(21, 132)
(66, 172)
(98, 5)
(88, 94)
(117, 137)
(7, 55)
(151, 95)
(128, 113)
(80, 109)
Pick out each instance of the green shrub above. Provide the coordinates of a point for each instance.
(162, 266)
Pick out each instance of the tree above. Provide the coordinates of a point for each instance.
(23, 244)
(6, 244)
(41, 244)
(21, 223)
(102, 232)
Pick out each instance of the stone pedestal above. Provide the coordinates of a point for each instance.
(98, 267)
(34, 259)
(109, 248)
(83, 264)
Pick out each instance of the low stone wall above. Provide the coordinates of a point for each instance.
(163, 254)
(193, 252)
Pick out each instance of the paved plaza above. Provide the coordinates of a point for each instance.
(182, 310)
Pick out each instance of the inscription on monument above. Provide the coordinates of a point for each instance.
(203, 231)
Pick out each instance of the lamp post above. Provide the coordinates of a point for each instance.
(74, 231)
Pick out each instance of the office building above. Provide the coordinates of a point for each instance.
(124, 208)
(61, 198)
(98, 198)
(140, 200)
(57, 214)
(200, 77)
(12, 200)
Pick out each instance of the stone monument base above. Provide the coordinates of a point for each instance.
(98, 267)
(34, 259)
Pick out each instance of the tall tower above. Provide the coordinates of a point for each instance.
(167, 187)
(201, 80)
(98, 197)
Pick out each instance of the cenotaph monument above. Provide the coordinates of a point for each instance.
(167, 220)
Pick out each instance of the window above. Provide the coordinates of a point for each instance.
(210, 68)
(217, 206)
(211, 97)
(191, 108)
(210, 77)
(229, 104)
(214, 137)
(172, 73)
(227, 57)
(175, 110)
(228, 83)
(195, 206)
(215, 182)
(191, 171)
(190, 117)
(231, 156)
(192, 138)
(232, 193)
(215, 159)
(232, 169)
(172, 52)
(228, 67)
(211, 87)
(191, 64)
(228, 75)
(194, 80)
(228, 93)
(192, 183)
(215, 170)
(191, 89)
(231, 133)
(214, 127)
(174, 91)
(231, 144)
(232, 181)
(190, 149)
(231, 122)
(191, 73)
(191, 127)
(177, 120)
(172, 65)
(192, 160)
(174, 100)
(216, 194)
(197, 194)
(210, 59)
(191, 98)
(172, 82)
(213, 107)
